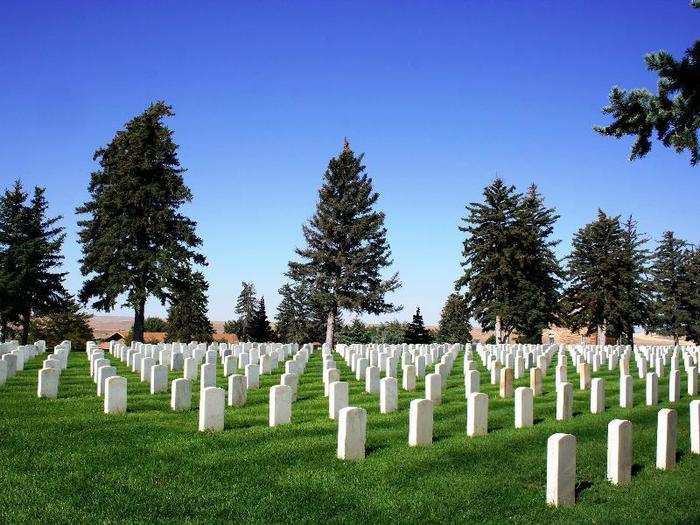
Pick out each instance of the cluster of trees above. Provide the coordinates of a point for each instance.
(252, 323)
(33, 298)
(611, 283)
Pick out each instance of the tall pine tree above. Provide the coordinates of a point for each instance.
(596, 274)
(416, 333)
(262, 331)
(134, 234)
(455, 324)
(672, 310)
(246, 306)
(491, 252)
(636, 290)
(13, 218)
(692, 332)
(187, 313)
(346, 247)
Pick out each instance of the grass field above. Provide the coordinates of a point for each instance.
(65, 461)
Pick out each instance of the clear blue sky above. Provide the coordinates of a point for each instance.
(440, 96)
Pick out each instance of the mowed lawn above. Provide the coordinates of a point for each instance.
(65, 461)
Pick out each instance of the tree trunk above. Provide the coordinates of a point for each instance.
(138, 321)
(3, 335)
(497, 329)
(600, 339)
(330, 325)
(26, 319)
(675, 339)
(630, 336)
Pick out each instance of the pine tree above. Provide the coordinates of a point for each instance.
(491, 267)
(31, 246)
(134, 234)
(673, 113)
(672, 313)
(187, 314)
(246, 306)
(68, 323)
(155, 324)
(346, 246)
(261, 329)
(416, 333)
(596, 273)
(354, 333)
(455, 324)
(291, 320)
(692, 302)
(636, 289)
(540, 275)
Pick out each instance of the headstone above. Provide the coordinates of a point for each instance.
(372, 380)
(524, 405)
(408, 379)
(181, 394)
(666, 438)
(352, 429)
(620, 451)
(230, 365)
(3, 372)
(252, 375)
(420, 423)
(292, 381)
(338, 398)
(565, 401)
(388, 395)
(159, 379)
(331, 375)
(102, 374)
(597, 396)
(471, 383)
(506, 383)
(695, 426)
(536, 381)
(280, 405)
(652, 391)
(190, 369)
(626, 397)
(115, 395)
(11, 362)
(48, 383)
(584, 371)
(237, 390)
(477, 414)
(674, 386)
(561, 469)
(146, 364)
(693, 381)
(207, 376)
(211, 409)
(433, 388)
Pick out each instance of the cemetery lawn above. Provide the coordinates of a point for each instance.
(65, 461)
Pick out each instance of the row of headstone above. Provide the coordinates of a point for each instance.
(561, 453)
(50, 372)
(13, 356)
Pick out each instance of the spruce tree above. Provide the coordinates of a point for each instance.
(354, 333)
(67, 323)
(673, 113)
(134, 234)
(292, 322)
(346, 247)
(416, 333)
(596, 274)
(261, 329)
(246, 306)
(692, 302)
(187, 312)
(31, 246)
(491, 259)
(455, 324)
(672, 312)
(539, 280)
(636, 290)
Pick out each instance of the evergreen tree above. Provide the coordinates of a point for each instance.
(491, 253)
(232, 326)
(68, 323)
(692, 332)
(540, 275)
(134, 234)
(673, 113)
(635, 298)
(31, 252)
(346, 246)
(416, 332)
(292, 314)
(392, 333)
(672, 310)
(262, 331)
(155, 324)
(455, 324)
(246, 306)
(596, 273)
(187, 314)
(354, 333)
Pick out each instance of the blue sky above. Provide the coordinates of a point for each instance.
(441, 97)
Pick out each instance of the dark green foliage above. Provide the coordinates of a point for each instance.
(693, 299)
(155, 324)
(673, 291)
(511, 274)
(134, 235)
(416, 333)
(68, 323)
(354, 333)
(300, 317)
(261, 330)
(187, 313)
(673, 113)
(608, 289)
(455, 324)
(392, 332)
(30, 254)
(246, 306)
(232, 326)
(346, 246)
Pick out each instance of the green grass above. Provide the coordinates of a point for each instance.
(64, 460)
